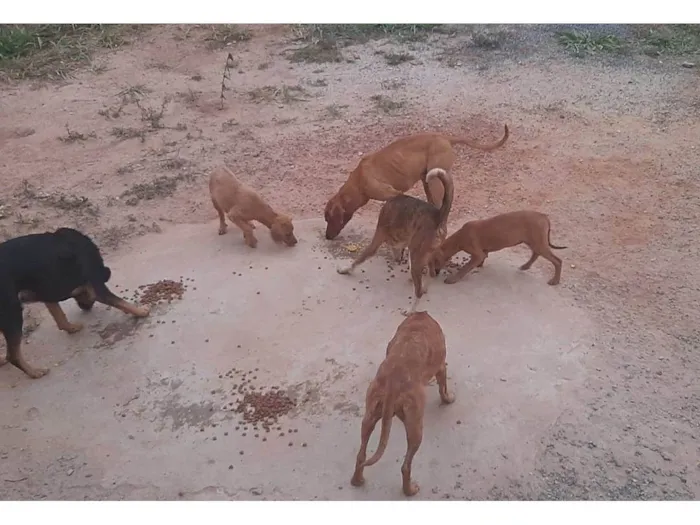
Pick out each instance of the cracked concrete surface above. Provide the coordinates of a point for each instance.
(139, 409)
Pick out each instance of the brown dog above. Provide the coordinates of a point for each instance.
(479, 238)
(394, 170)
(414, 356)
(407, 221)
(242, 205)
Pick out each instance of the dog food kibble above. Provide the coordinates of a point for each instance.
(230, 467)
(290, 444)
(163, 290)
(264, 439)
(241, 452)
(244, 434)
(303, 444)
(225, 433)
(459, 422)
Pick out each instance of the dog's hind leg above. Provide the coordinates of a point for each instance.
(365, 254)
(368, 423)
(413, 422)
(556, 261)
(222, 217)
(530, 261)
(14, 354)
(441, 378)
(62, 322)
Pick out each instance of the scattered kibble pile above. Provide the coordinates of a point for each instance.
(163, 291)
(264, 407)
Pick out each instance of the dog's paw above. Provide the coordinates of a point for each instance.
(451, 279)
(411, 490)
(357, 481)
(222, 231)
(449, 399)
(36, 373)
(142, 311)
(3, 361)
(344, 270)
(73, 328)
(553, 282)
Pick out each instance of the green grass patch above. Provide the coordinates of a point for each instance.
(54, 51)
(581, 43)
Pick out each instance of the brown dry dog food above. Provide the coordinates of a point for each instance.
(164, 290)
(265, 407)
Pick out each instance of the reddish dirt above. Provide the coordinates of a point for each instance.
(608, 148)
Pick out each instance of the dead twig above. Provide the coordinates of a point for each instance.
(230, 64)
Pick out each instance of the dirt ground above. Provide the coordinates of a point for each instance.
(606, 144)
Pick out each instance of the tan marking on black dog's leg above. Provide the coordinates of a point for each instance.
(413, 422)
(14, 356)
(59, 316)
(441, 377)
(530, 261)
(222, 218)
(127, 307)
(475, 260)
(368, 423)
(368, 252)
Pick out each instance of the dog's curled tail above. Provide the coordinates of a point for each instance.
(552, 245)
(472, 144)
(448, 184)
(387, 417)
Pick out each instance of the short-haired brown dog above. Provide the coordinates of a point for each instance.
(479, 238)
(242, 205)
(407, 221)
(414, 356)
(393, 170)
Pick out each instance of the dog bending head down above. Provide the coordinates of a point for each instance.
(282, 231)
(414, 356)
(338, 213)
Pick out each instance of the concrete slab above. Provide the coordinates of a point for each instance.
(135, 409)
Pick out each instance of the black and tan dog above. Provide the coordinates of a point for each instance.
(405, 221)
(50, 268)
(414, 356)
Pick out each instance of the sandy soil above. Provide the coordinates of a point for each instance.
(607, 146)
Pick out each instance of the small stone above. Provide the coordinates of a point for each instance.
(70, 472)
(256, 491)
(688, 65)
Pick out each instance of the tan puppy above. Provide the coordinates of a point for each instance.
(242, 205)
(407, 221)
(479, 238)
(394, 170)
(414, 356)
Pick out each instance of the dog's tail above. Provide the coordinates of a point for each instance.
(552, 245)
(459, 140)
(387, 417)
(447, 183)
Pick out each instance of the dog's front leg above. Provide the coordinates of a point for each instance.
(59, 317)
(247, 229)
(476, 259)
